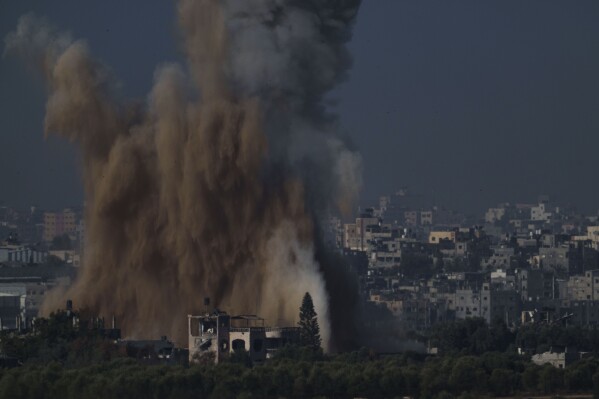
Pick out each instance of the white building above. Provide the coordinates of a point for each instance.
(22, 254)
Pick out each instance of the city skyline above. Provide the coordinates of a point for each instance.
(299, 198)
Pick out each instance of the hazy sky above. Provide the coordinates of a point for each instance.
(467, 102)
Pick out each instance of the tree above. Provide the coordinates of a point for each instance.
(62, 242)
(309, 330)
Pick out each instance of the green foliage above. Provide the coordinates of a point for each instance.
(348, 375)
(299, 353)
(63, 360)
(240, 356)
(308, 323)
(541, 338)
(62, 242)
(58, 339)
(503, 382)
(596, 385)
(466, 376)
(550, 379)
(471, 336)
(579, 376)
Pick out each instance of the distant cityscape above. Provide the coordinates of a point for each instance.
(520, 263)
(39, 250)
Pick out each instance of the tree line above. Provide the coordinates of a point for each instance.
(297, 373)
(476, 360)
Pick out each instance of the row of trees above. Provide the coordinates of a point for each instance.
(478, 360)
(474, 337)
(298, 374)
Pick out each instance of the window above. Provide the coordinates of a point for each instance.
(257, 345)
(238, 344)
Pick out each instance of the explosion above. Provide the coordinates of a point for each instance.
(215, 185)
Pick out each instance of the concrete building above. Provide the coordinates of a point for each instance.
(215, 336)
(584, 287)
(505, 305)
(494, 215)
(593, 236)
(11, 310)
(354, 234)
(556, 258)
(435, 237)
(426, 218)
(556, 359)
(411, 218)
(540, 212)
(154, 352)
(59, 223)
(21, 254)
(536, 284)
(490, 302)
(472, 302)
(30, 284)
(497, 261)
(583, 313)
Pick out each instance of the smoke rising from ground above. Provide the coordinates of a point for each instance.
(214, 187)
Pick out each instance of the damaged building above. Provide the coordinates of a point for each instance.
(213, 337)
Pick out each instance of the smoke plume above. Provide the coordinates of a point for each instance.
(215, 185)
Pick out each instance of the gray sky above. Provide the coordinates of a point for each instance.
(467, 102)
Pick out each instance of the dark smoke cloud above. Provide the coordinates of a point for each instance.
(214, 188)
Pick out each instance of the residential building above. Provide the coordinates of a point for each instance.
(59, 223)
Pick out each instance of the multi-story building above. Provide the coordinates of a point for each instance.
(215, 336)
(435, 237)
(30, 283)
(426, 218)
(59, 223)
(536, 284)
(540, 212)
(593, 236)
(505, 304)
(583, 287)
(473, 302)
(411, 218)
(22, 254)
(354, 234)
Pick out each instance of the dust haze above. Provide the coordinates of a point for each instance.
(215, 184)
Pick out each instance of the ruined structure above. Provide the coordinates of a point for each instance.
(215, 336)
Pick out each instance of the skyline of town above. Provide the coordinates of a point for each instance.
(293, 199)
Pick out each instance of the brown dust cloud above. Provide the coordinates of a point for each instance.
(213, 186)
